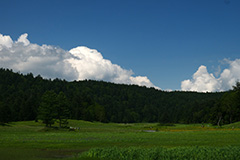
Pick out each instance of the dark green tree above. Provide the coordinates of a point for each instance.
(230, 106)
(4, 113)
(62, 109)
(47, 109)
(95, 112)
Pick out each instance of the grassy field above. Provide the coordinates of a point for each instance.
(94, 140)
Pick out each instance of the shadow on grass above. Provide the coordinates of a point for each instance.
(38, 154)
(5, 124)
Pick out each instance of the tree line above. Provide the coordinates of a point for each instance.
(25, 97)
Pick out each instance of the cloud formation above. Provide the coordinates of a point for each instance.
(202, 81)
(48, 61)
(79, 63)
(5, 41)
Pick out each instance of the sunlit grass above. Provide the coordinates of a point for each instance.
(32, 137)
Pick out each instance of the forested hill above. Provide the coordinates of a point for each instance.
(90, 100)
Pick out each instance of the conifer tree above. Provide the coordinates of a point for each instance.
(4, 113)
(47, 108)
(62, 109)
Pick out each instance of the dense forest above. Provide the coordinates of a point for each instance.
(23, 97)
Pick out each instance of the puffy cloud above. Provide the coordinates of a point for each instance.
(49, 61)
(23, 39)
(5, 41)
(90, 64)
(202, 81)
(231, 75)
(142, 81)
(53, 62)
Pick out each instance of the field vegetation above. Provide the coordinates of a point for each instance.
(95, 140)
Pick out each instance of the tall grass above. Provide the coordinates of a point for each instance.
(180, 153)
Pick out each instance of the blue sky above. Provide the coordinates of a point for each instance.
(165, 40)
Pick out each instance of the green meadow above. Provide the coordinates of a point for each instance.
(95, 140)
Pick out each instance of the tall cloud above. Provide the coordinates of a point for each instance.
(230, 75)
(202, 81)
(53, 62)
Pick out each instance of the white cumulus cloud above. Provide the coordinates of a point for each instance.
(79, 63)
(5, 41)
(90, 64)
(23, 39)
(202, 81)
(48, 61)
(231, 75)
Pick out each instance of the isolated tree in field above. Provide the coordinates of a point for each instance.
(62, 109)
(47, 108)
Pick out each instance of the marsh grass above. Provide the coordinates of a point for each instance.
(32, 140)
(190, 153)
